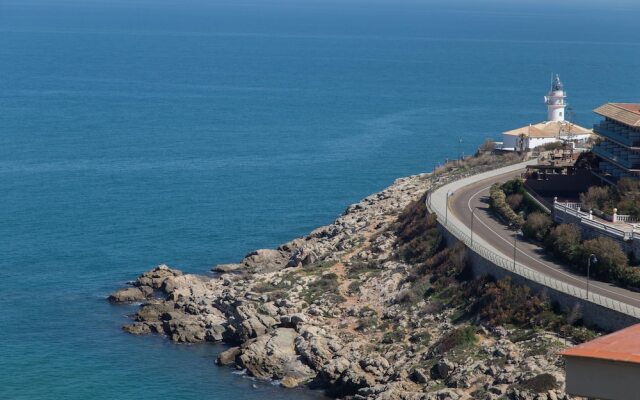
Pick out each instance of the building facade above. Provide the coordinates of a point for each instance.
(619, 146)
(605, 368)
(554, 129)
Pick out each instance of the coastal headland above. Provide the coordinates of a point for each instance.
(374, 305)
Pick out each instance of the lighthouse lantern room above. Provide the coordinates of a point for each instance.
(556, 101)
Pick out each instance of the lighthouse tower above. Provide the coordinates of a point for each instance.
(555, 101)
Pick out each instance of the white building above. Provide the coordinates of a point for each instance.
(554, 129)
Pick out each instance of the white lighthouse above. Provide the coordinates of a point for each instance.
(555, 101)
(554, 129)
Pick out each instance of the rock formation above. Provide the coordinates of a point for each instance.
(329, 310)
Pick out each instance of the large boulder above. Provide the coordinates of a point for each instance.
(273, 356)
(265, 260)
(130, 294)
(245, 322)
(156, 277)
(228, 357)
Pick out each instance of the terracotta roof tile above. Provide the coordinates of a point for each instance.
(626, 113)
(548, 130)
(622, 345)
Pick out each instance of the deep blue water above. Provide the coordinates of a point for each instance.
(189, 133)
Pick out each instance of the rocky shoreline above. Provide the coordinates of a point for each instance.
(338, 310)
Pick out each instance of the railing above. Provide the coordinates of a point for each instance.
(571, 209)
(626, 218)
(526, 272)
(586, 219)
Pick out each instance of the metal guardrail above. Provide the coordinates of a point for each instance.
(522, 270)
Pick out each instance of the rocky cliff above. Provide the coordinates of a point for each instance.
(371, 306)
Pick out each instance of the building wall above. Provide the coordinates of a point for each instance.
(617, 143)
(603, 379)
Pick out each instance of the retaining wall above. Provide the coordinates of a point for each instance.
(593, 314)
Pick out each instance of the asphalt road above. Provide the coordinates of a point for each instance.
(476, 197)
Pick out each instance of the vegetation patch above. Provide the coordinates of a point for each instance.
(418, 238)
(459, 337)
(394, 336)
(421, 338)
(326, 285)
(565, 241)
(317, 268)
(359, 269)
(498, 201)
(625, 196)
(540, 383)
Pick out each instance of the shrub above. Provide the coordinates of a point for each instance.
(537, 226)
(502, 302)
(354, 286)
(515, 201)
(629, 191)
(458, 337)
(487, 146)
(550, 146)
(612, 261)
(499, 204)
(540, 383)
(598, 197)
(367, 324)
(418, 238)
(630, 277)
(513, 186)
(423, 338)
(326, 284)
(393, 336)
(565, 242)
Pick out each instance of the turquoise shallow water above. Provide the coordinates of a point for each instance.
(189, 133)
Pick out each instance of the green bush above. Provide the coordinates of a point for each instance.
(513, 186)
(423, 338)
(565, 242)
(325, 285)
(499, 204)
(393, 336)
(612, 261)
(537, 226)
(540, 383)
(502, 302)
(598, 197)
(515, 201)
(458, 337)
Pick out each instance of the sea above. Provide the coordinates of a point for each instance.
(191, 132)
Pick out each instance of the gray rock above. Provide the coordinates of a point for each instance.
(137, 328)
(273, 356)
(227, 268)
(131, 294)
(419, 375)
(444, 368)
(228, 357)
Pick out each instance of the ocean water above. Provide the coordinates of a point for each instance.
(134, 133)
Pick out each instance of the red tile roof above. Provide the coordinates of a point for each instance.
(626, 113)
(623, 346)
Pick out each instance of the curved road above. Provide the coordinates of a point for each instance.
(475, 196)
